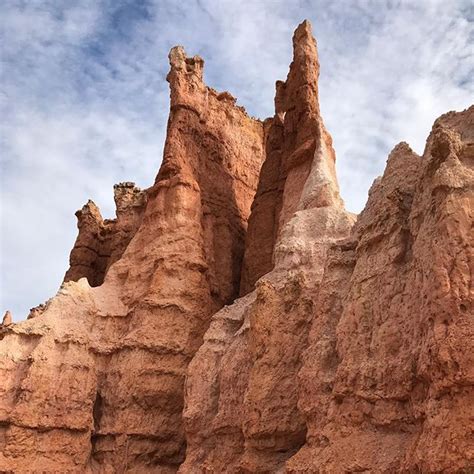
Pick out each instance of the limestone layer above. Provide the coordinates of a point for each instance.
(316, 341)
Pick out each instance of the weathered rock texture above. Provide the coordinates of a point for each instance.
(387, 378)
(94, 379)
(350, 348)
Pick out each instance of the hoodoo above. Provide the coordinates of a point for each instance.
(95, 380)
(244, 415)
(234, 317)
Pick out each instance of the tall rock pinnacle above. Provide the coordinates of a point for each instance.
(299, 170)
(298, 95)
(94, 381)
(243, 416)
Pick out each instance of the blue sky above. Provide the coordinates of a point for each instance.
(84, 101)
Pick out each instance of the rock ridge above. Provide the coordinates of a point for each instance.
(101, 242)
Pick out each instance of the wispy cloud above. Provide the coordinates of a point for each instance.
(85, 102)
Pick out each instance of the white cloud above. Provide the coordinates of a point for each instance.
(85, 102)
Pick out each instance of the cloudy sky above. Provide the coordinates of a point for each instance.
(84, 101)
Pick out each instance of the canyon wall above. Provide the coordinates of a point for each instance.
(315, 341)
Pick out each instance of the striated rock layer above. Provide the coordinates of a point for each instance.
(94, 379)
(350, 348)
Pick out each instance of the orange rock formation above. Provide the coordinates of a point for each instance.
(349, 349)
(102, 242)
(94, 379)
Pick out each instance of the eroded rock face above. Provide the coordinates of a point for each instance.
(93, 381)
(369, 366)
(349, 350)
(387, 379)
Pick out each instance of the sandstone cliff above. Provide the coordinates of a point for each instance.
(387, 378)
(349, 349)
(94, 380)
